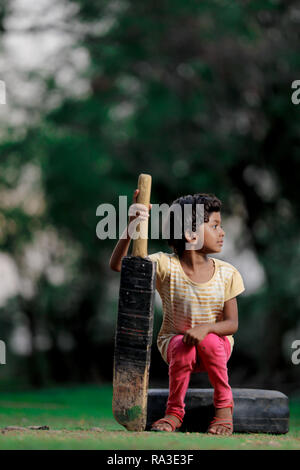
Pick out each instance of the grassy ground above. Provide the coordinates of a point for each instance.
(81, 418)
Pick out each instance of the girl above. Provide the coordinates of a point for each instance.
(198, 296)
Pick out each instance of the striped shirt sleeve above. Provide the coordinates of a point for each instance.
(234, 286)
(161, 266)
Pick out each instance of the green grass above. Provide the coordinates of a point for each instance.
(81, 418)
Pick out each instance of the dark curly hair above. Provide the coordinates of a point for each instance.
(211, 204)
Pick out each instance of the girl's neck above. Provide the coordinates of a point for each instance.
(194, 259)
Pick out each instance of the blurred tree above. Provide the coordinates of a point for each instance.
(198, 95)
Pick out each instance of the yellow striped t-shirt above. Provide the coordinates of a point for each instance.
(187, 303)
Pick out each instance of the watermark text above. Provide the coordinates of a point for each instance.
(2, 92)
(176, 222)
(2, 352)
(296, 354)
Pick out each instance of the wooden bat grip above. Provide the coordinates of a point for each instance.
(140, 246)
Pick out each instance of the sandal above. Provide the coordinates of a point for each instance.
(224, 422)
(167, 420)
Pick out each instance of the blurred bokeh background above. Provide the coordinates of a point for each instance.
(198, 94)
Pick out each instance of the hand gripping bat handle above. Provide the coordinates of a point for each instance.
(140, 245)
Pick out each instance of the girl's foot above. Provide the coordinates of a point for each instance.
(168, 424)
(222, 424)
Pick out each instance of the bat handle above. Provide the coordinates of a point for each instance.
(140, 246)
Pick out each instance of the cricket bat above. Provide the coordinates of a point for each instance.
(133, 338)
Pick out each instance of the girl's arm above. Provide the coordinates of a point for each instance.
(228, 326)
(121, 248)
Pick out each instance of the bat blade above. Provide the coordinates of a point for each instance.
(133, 342)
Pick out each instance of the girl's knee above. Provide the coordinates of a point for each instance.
(210, 343)
(181, 353)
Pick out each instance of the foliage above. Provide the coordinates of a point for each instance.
(198, 95)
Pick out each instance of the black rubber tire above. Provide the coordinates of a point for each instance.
(255, 411)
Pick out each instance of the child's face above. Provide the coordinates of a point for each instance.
(213, 234)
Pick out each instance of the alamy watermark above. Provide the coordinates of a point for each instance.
(173, 218)
(296, 94)
(2, 92)
(2, 352)
(296, 354)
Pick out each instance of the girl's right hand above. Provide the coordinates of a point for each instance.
(138, 210)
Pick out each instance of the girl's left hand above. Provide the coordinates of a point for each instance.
(195, 335)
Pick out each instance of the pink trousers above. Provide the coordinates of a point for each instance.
(211, 356)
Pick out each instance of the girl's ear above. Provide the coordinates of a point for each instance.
(190, 236)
